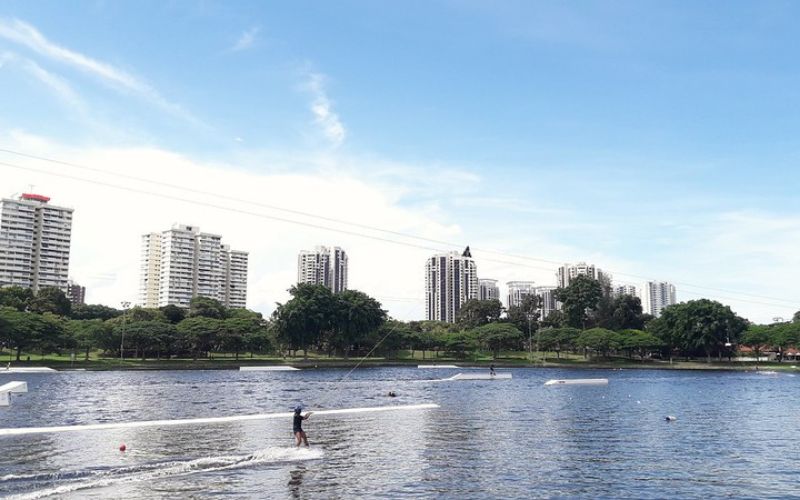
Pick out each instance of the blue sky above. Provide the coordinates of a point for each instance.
(654, 138)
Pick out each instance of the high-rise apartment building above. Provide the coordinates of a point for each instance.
(323, 266)
(234, 283)
(450, 280)
(488, 290)
(656, 296)
(76, 293)
(547, 301)
(182, 263)
(517, 291)
(568, 272)
(620, 290)
(34, 242)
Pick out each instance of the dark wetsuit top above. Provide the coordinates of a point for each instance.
(298, 423)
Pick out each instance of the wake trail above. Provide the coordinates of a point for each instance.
(148, 472)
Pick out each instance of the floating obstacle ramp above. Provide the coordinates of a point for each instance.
(27, 369)
(268, 369)
(438, 366)
(578, 381)
(480, 376)
(7, 389)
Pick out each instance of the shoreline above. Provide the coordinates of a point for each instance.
(231, 364)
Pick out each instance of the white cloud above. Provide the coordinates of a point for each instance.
(322, 109)
(58, 85)
(246, 40)
(108, 222)
(25, 34)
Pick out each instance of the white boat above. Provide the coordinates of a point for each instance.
(437, 366)
(578, 381)
(481, 376)
(278, 368)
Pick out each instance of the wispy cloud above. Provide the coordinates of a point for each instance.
(58, 85)
(322, 109)
(246, 40)
(24, 34)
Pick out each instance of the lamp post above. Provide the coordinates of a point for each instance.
(125, 305)
(529, 316)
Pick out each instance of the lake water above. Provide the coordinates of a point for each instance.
(736, 435)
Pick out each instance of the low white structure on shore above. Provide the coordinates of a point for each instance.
(7, 389)
(27, 369)
(437, 366)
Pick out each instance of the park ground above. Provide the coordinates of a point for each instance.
(509, 359)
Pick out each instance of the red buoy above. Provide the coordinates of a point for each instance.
(122, 447)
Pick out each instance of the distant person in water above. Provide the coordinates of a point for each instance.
(491, 370)
(299, 434)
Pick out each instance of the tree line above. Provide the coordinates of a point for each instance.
(46, 323)
(591, 321)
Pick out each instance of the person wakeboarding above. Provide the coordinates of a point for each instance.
(299, 433)
(491, 370)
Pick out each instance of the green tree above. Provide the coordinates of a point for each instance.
(698, 327)
(529, 308)
(498, 336)
(87, 334)
(623, 313)
(356, 316)
(173, 313)
(558, 339)
(782, 336)
(16, 297)
(198, 335)
(599, 340)
(638, 341)
(207, 308)
(50, 299)
(555, 319)
(757, 337)
(474, 313)
(303, 320)
(93, 311)
(579, 299)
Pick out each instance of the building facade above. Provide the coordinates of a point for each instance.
(547, 301)
(517, 291)
(182, 263)
(34, 242)
(620, 290)
(76, 293)
(568, 272)
(451, 279)
(656, 296)
(323, 266)
(488, 290)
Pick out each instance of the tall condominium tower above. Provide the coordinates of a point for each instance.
(488, 289)
(34, 242)
(656, 296)
(568, 272)
(548, 302)
(450, 280)
(76, 293)
(631, 290)
(323, 266)
(517, 291)
(182, 263)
